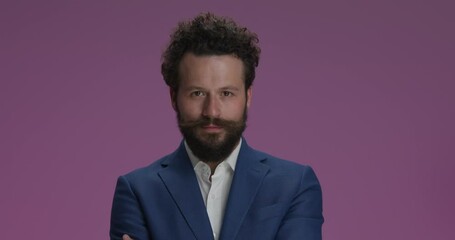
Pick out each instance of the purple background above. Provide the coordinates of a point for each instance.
(363, 91)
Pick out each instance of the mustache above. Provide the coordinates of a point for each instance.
(204, 121)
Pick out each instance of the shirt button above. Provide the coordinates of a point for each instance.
(212, 196)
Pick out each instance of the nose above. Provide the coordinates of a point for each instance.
(211, 107)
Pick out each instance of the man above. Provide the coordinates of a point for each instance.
(214, 186)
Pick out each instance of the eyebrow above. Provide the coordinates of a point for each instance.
(232, 88)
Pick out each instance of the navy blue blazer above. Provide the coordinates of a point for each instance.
(270, 198)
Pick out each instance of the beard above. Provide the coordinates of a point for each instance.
(212, 147)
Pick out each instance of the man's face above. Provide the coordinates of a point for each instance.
(211, 104)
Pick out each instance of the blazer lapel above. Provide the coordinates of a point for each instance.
(180, 180)
(248, 176)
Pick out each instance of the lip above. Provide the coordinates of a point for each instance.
(212, 128)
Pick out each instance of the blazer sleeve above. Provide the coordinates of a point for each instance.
(126, 215)
(304, 219)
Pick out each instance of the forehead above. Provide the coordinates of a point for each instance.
(211, 70)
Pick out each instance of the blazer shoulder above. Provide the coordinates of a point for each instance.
(302, 176)
(281, 164)
(146, 172)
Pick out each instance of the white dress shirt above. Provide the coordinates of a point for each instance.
(215, 191)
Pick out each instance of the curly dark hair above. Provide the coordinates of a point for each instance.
(208, 34)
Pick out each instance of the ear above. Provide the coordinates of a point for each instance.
(249, 94)
(173, 95)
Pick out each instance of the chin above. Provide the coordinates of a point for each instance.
(212, 138)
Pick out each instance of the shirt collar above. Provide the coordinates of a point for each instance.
(231, 160)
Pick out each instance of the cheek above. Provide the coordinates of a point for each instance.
(236, 111)
(188, 110)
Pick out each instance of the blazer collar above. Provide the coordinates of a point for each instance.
(180, 180)
(248, 176)
(179, 177)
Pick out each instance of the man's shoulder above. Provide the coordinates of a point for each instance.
(278, 164)
(149, 171)
(289, 175)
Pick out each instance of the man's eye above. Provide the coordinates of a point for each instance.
(197, 93)
(227, 93)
